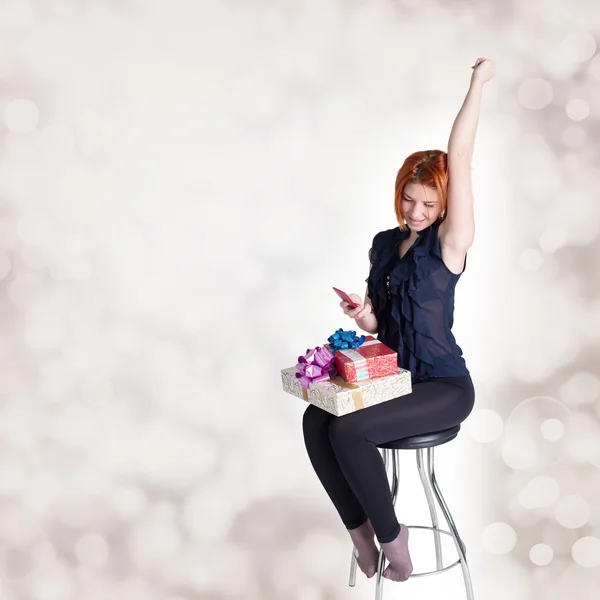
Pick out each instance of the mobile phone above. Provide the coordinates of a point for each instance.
(346, 298)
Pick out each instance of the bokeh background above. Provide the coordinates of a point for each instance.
(181, 183)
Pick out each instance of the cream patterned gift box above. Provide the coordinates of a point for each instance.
(340, 397)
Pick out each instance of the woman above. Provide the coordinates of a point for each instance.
(409, 303)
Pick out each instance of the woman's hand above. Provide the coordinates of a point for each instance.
(361, 311)
(483, 70)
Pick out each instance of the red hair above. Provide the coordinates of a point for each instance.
(429, 168)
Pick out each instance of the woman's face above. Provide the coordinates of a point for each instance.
(420, 206)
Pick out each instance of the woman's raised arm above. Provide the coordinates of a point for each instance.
(459, 224)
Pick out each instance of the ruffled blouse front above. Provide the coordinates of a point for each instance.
(413, 300)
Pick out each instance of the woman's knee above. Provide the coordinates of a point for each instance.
(315, 420)
(344, 428)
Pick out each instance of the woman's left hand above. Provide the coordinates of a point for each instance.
(483, 70)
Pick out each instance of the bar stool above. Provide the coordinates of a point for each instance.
(419, 443)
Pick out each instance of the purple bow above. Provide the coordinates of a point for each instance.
(315, 366)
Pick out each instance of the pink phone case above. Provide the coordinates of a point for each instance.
(345, 298)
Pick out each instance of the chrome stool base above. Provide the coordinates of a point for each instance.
(433, 495)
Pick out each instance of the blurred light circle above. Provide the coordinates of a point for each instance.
(154, 541)
(129, 502)
(136, 588)
(542, 491)
(263, 97)
(54, 582)
(499, 538)
(21, 115)
(534, 155)
(195, 510)
(508, 127)
(541, 555)
(574, 581)
(12, 382)
(59, 272)
(73, 509)
(552, 430)
(508, 577)
(56, 140)
(92, 550)
(574, 136)
(5, 265)
(12, 480)
(25, 289)
(581, 388)
(530, 259)
(33, 230)
(79, 269)
(32, 257)
(44, 551)
(188, 455)
(586, 552)
(124, 337)
(552, 239)
(314, 554)
(593, 455)
(21, 524)
(594, 66)
(520, 454)
(590, 326)
(523, 433)
(22, 145)
(43, 333)
(534, 94)
(76, 244)
(579, 46)
(572, 512)
(584, 436)
(164, 510)
(309, 592)
(16, 563)
(485, 425)
(577, 109)
(17, 15)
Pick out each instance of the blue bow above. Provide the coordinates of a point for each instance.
(343, 340)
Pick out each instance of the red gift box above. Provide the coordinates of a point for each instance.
(371, 359)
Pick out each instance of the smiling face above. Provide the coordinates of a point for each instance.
(420, 206)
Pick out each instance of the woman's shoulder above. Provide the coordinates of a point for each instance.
(388, 235)
(432, 248)
(383, 244)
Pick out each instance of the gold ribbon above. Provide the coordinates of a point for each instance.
(357, 396)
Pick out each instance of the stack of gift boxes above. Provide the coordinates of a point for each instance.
(347, 374)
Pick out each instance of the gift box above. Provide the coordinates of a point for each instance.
(370, 360)
(340, 397)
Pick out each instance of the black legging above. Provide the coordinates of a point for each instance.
(343, 450)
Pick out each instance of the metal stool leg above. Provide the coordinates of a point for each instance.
(430, 501)
(395, 475)
(394, 491)
(354, 557)
(353, 565)
(457, 540)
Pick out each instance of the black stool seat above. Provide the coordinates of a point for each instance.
(426, 440)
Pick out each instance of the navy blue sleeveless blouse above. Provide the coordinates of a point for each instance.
(413, 300)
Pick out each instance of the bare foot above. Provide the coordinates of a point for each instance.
(397, 553)
(363, 538)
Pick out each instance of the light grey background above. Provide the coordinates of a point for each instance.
(181, 183)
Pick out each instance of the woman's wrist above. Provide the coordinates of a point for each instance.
(367, 323)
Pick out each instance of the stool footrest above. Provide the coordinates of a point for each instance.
(457, 562)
